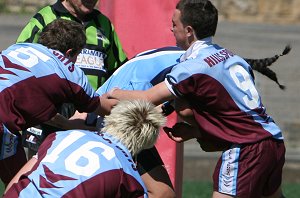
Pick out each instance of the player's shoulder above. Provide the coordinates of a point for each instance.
(100, 16)
(45, 8)
(43, 12)
(22, 47)
(161, 51)
(74, 137)
(77, 133)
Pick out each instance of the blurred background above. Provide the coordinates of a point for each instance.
(250, 28)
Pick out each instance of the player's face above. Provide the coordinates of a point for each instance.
(81, 7)
(179, 31)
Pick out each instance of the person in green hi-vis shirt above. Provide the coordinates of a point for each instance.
(103, 53)
(101, 56)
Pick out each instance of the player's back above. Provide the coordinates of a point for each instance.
(221, 89)
(144, 70)
(24, 60)
(79, 163)
(34, 80)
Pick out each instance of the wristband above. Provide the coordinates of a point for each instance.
(167, 108)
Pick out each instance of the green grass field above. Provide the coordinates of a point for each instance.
(1, 188)
(196, 189)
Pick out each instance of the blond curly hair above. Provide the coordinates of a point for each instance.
(135, 123)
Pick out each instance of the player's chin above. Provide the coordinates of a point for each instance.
(86, 8)
(86, 11)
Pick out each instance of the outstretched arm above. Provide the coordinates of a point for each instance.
(77, 121)
(156, 95)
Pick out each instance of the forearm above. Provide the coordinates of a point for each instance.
(120, 94)
(185, 112)
(58, 121)
(75, 122)
(156, 95)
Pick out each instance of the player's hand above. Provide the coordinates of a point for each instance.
(181, 132)
(110, 92)
(77, 115)
(105, 95)
(105, 106)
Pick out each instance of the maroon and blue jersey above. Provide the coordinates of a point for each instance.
(219, 87)
(78, 163)
(34, 82)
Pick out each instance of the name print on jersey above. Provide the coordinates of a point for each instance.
(67, 62)
(218, 57)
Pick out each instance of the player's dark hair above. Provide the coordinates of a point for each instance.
(261, 65)
(201, 15)
(63, 35)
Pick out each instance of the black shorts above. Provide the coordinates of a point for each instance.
(33, 137)
(147, 160)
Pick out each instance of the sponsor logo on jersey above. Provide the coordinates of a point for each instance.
(67, 62)
(35, 131)
(91, 59)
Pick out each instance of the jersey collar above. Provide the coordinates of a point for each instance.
(60, 9)
(113, 139)
(193, 51)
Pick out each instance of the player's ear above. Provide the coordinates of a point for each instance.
(72, 54)
(189, 30)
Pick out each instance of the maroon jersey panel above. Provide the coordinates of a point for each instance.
(27, 105)
(218, 115)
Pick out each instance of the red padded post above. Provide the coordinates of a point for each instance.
(144, 25)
